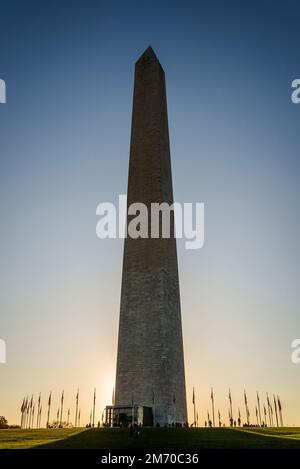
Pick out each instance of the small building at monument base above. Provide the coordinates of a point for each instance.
(123, 416)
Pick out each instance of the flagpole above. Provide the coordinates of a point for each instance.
(32, 415)
(76, 412)
(275, 407)
(271, 409)
(194, 404)
(40, 416)
(94, 404)
(49, 405)
(258, 406)
(268, 402)
(27, 417)
(247, 410)
(213, 405)
(271, 412)
(61, 408)
(38, 412)
(280, 410)
(231, 414)
(22, 412)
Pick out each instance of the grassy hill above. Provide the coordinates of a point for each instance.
(166, 438)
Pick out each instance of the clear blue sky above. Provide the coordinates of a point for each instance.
(64, 147)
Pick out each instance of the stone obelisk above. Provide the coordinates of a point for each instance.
(150, 363)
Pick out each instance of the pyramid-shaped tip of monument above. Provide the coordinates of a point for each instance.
(148, 57)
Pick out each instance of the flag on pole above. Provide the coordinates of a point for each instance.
(76, 411)
(247, 410)
(280, 410)
(269, 411)
(40, 417)
(49, 405)
(30, 410)
(265, 414)
(27, 414)
(212, 405)
(275, 408)
(61, 408)
(32, 420)
(258, 406)
(230, 402)
(22, 412)
(38, 411)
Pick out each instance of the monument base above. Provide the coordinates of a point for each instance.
(127, 415)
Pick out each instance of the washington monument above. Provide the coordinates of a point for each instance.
(150, 363)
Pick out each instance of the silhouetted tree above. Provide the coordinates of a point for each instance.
(3, 422)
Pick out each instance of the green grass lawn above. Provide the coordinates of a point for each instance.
(164, 438)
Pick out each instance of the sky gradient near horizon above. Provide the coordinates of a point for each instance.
(64, 147)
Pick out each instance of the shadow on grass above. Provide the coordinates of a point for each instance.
(171, 438)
